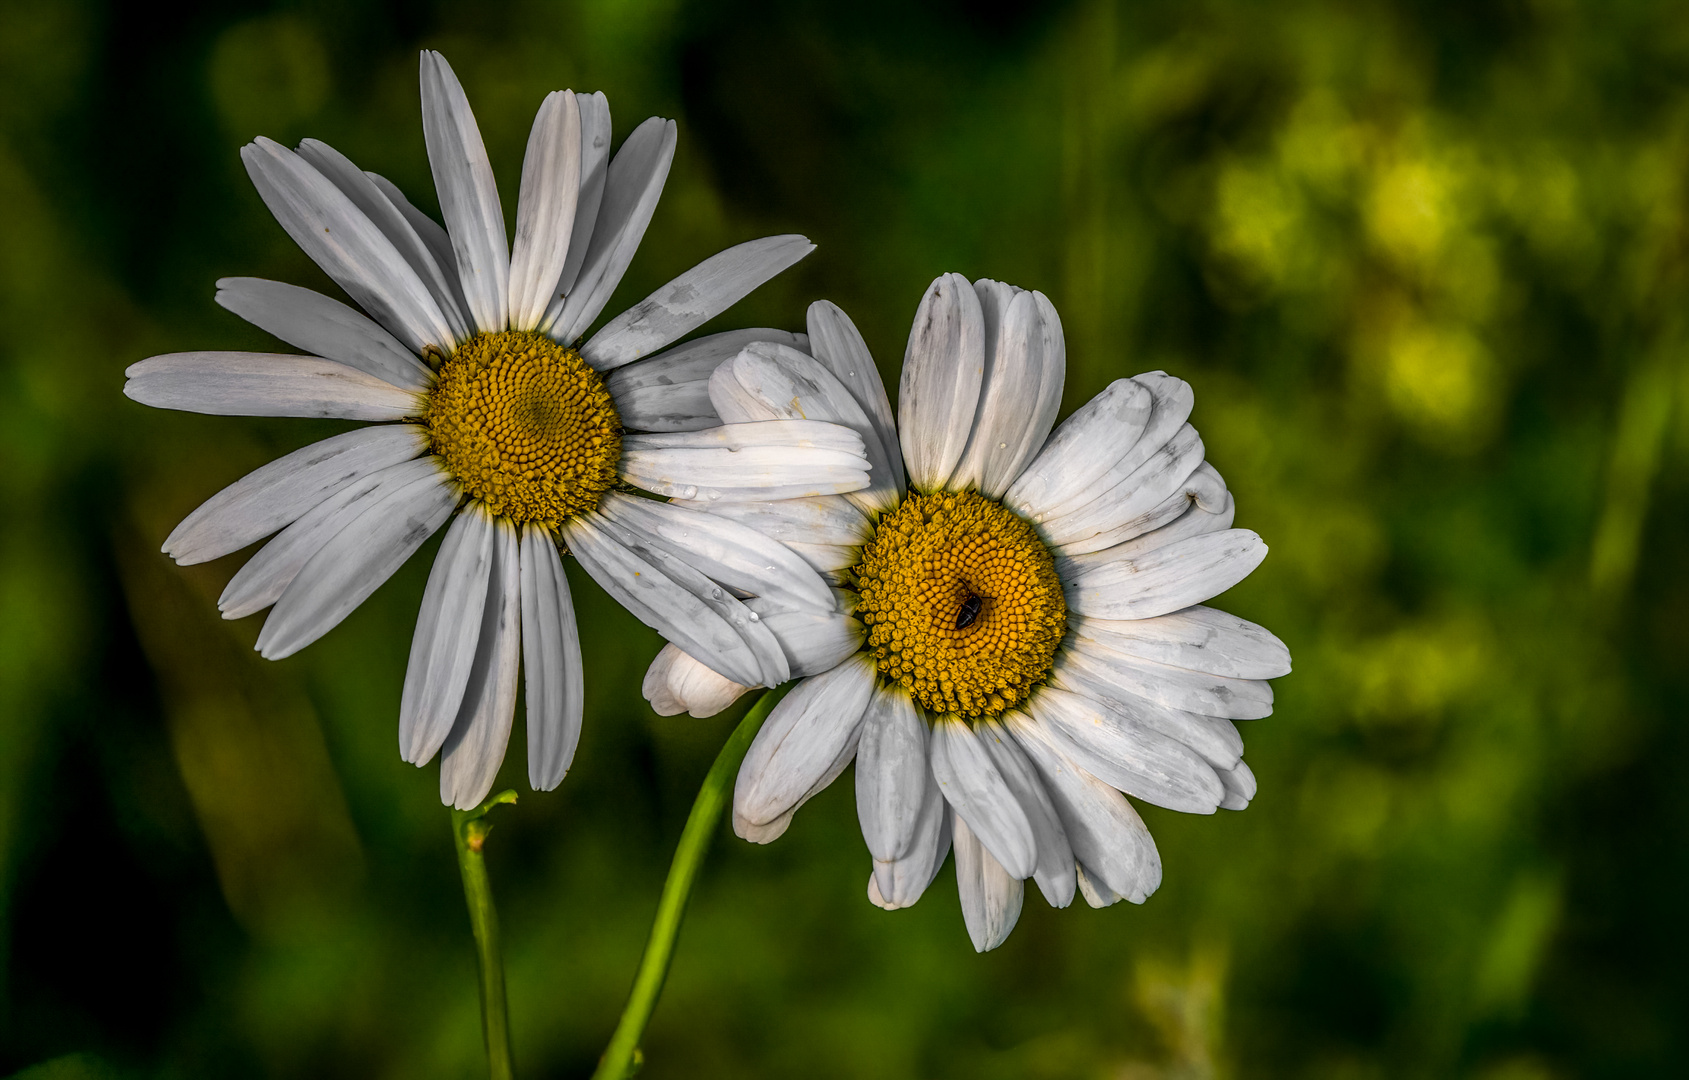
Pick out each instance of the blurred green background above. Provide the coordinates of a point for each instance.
(1425, 266)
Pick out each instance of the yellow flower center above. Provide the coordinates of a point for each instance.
(525, 426)
(962, 603)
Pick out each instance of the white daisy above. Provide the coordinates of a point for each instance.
(1031, 642)
(473, 355)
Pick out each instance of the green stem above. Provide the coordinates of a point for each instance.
(622, 1057)
(470, 829)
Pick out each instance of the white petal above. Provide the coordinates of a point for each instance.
(692, 299)
(835, 341)
(551, 655)
(1165, 579)
(448, 629)
(368, 197)
(1096, 893)
(1179, 688)
(266, 575)
(900, 882)
(1109, 839)
(1198, 638)
(1197, 520)
(812, 641)
(470, 760)
(777, 459)
(942, 369)
(277, 494)
(1020, 394)
(469, 201)
(675, 683)
(975, 787)
(632, 187)
(1146, 489)
(1083, 448)
(671, 391)
(892, 775)
(1125, 753)
(1240, 787)
(1054, 871)
(724, 551)
(433, 235)
(774, 382)
(802, 742)
(1203, 492)
(545, 209)
(357, 560)
(595, 160)
(991, 896)
(673, 599)
(1213, 737)
(1172, 400)
(266, 384)
(826, 520)
(311, 321)
(349, 247)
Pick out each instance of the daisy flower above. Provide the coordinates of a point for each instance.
(488, 406)
(1029, 642)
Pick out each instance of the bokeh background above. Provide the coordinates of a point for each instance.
(1425, 266)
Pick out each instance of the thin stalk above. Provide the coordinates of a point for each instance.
(622, 1057)
(470, 829)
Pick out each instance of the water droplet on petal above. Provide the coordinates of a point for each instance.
(755, 617)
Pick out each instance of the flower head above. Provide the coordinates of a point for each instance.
(1029, 644)
(492, 404)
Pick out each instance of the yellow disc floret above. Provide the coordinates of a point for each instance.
(525, 426)
(962, 603)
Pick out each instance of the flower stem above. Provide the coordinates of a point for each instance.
(470, 829)
(622, 1057)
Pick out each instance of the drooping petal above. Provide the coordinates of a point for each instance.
(470, 759)
(1127, 754)
(991, 896)
(266, 384)
(676, 601)
(675, 683)
(448, 629)
(632, 186)
(774, 382)
(975, 788)
(1085, 446)
(551, 656)
(545, 209)
(1054, 871)
(358, 559)
(835, 341)
(776, 459)
(671, 391)
(349, 247)
(892, 775)
(1240, 787)
(323, 327)
(1109, 839)
(1020, 392)
(724, 551)
(278, 494)
(806, 735)
(385, 215)
(692, 299)
(1165, 579)
(899, 882)
(942, 369)
(463, 178)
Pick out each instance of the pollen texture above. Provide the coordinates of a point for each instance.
(525, 426)
(962, 603)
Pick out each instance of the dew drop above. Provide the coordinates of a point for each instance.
(755, 617)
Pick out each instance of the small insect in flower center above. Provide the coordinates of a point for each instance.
(526, 426)
(962, 603)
